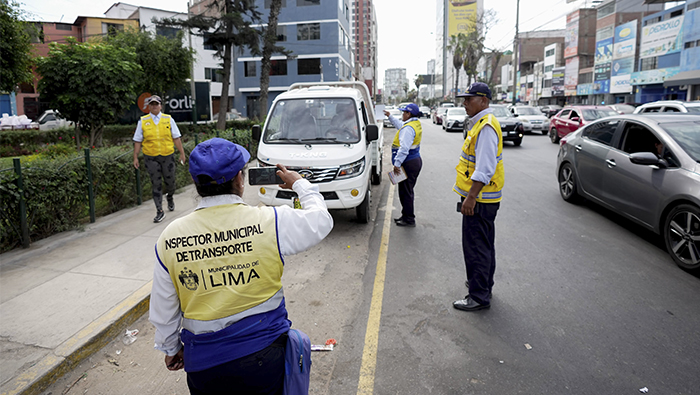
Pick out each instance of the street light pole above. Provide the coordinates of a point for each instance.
(516, 49)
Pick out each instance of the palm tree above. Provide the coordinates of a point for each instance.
(457, 45)
(473, 52)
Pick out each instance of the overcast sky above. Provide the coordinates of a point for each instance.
(406, 28)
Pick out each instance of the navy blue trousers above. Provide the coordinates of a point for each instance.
(478, 238)
(406, 196)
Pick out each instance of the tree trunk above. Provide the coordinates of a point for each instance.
(456, 86)
(226, 82)
(268, 43)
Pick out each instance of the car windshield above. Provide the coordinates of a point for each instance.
(324, 121)
(457, 111)
(527, 111)
(693, 109)
(624, 108)
(591, 115)
(687, 135)
(501, 112)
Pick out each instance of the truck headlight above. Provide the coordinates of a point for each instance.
(351, 170)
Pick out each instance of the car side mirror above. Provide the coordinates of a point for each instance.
(372, 132)
(256, 133)
(648, 159)
(515, 115)
(576, 119)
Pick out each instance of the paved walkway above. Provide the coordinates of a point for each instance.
(66, 296)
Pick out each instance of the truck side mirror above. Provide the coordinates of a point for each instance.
(256, 133)
(372, 133)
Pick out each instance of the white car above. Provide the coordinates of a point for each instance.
(454, 119)
(50, 120)
(396, 113)
(668, 106)
(532, 118)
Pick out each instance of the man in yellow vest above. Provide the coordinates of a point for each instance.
(217, 301)
(405, 152)
(479, 183)
(156, 133)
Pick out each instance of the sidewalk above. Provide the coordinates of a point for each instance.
(66, 296)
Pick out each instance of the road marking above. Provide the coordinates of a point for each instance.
(369, 354)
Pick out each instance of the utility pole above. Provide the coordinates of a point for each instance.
(516, 49)
(193, 96)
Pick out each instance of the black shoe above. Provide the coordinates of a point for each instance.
(469, 304)
(398, 219)
(402, 222)
(160, 215)
(171, 205)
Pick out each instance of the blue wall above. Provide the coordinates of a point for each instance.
(690, 58)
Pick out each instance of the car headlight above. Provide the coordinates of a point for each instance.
(352, 170)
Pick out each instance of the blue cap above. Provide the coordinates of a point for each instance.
(412, 108)
(219, 159)
(477, 89)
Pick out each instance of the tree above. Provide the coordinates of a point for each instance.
(418, 81)
(474, 43)
(457, 46)
(89, 83)
(166, 61)
(269, 47)
(225, 24)
(15, 47)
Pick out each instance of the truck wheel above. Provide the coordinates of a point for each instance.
(363, 209)
(377, 175)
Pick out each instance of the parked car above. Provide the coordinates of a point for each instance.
(550, 110)
(454, 119)
(51, 120)
(622, 108)
(511, 127)
(573, 117)
(396, 113)
(646, 168)
(532, 118)
(668, 106)
(425, 111)
(438, 114)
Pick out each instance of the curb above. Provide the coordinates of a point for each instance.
(80, 346)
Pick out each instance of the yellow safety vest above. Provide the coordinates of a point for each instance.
(223, 260)
(157, 138)
(491, 193)
(415, 124)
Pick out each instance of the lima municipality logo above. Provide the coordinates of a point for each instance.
(189, 279)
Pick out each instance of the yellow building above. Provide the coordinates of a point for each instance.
(90, 27)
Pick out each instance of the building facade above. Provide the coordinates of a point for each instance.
(395, 85)
(364, 38)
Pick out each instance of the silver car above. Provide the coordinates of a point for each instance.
(646, 168)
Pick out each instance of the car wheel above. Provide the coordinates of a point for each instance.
(682, 236)
(544, 132)
(377, 175)
(554, 136)
(518, 142)
(362, 210)
(568, 187)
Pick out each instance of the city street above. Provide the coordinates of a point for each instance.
(584, 301)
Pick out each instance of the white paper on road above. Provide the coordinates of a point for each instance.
(379, 112)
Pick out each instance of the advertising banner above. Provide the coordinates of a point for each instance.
(661, 38)
(571, 38)
(603, 51)
(571, 76)
(461, 15)
(621, 84)
(625, 40)
(657, 76)
(558, 76)
(584, 89)
(600, 87)
(622, 67)
(601, 72)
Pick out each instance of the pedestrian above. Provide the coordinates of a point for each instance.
(479, 182)
(217, 300)
(405, 152)
(156, 133)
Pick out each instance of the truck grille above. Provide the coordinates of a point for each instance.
(317, 175)
(284, 194)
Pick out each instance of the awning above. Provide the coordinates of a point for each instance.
(691, 77)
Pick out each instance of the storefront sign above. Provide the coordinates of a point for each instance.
(603, 51)
(571, 76)
(571, 38)
(657, 76)
(621, 84)
(625, 40)
(662, 38)
(584, 89)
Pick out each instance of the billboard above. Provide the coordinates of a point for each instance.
(622, 67)
(558, 77)
(571, 38)
(461, 15)
(656, 76)
(662, 38)
(621, 84)
(625, 40)
(571, 76)
(603, 51)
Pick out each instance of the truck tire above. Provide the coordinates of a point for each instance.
(377, 175)
(363, 209)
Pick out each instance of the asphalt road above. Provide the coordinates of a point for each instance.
(599, 302)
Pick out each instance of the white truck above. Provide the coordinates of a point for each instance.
(328, 133)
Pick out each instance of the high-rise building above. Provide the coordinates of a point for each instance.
(364, 37)
(395, 85)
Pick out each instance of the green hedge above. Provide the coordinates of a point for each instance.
(55, 184)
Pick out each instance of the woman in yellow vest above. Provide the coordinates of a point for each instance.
(479, 183)
(405, 152)
(217, 300)
(156, 133)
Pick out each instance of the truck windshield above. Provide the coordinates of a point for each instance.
(317, 121)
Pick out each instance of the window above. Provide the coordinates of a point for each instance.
(281, 33)
(111, 28)
(675, 14)
(214, 75)
(249, 68)
(167, 31)
(606, 10)
(689, 44)
(209, 43)
(64, 26)
(637, 138)
(601, 132)
(547, 83)
(549, 53)
(301, 3)
(585, 78)
(565, 114)
(549, 68)
(279, 67)
(693, 6)
(309, 66)
(604, 33)
(649, 64)
(671, 109)
(652, 21)
(268, 2)
(308, 31)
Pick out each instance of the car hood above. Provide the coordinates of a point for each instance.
(456, 117)
(507, 120)
(533, 117)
